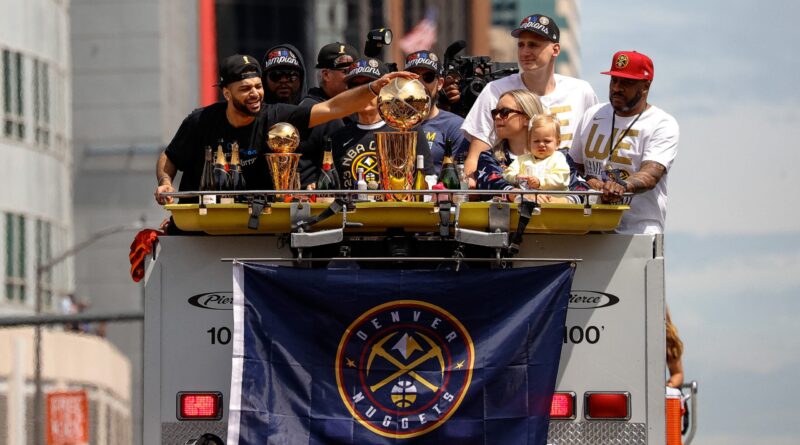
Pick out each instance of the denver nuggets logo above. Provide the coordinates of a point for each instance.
(544, 20)
(622, 61)
(404, 367)
(369, 162)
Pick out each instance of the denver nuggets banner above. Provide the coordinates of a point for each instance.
(360, 357)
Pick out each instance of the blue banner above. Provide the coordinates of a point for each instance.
(360, 357)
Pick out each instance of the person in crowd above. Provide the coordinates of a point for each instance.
(284, 75)
(674, 355)
(628, 145)
(514, 110)
(566, 97)
(355, 145)
(332, 62)
(543, 167)
(244, 118)
(440, 125)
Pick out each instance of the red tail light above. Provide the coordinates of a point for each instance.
(563, 406)
(607, 406)
(199, 406)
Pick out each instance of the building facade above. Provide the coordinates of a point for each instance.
(35, 143)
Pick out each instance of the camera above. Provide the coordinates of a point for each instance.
(472, 74)
(376, 40)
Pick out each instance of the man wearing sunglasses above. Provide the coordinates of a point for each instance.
(244, 118)
(332, 62)
(537, 49)
(440, 125)
(284, 75)
(354, 145)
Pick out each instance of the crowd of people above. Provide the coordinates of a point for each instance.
(533, 130)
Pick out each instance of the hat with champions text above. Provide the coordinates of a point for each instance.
(539, 24)
(631, 65)
(423, 59)
(370, 68)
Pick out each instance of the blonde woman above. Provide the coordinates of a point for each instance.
(511, 116)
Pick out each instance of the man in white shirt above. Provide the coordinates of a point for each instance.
(568, 98)
(628, 145)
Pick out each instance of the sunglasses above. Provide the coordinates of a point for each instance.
(504, 113)
(276, 76)
(428, 77)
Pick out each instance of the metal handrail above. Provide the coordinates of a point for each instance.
(692, 397)
(386, 192)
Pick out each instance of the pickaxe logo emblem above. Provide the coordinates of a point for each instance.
(402, 368)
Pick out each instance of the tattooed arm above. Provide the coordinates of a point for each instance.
(643, 180)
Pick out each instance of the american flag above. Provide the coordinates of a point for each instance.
(422, 36)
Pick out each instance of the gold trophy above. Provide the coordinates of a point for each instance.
(283, 139)
(403, 104)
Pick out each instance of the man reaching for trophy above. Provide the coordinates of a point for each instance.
(355, 145)
(243, 120)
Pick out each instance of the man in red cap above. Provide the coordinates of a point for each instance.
(628, 145)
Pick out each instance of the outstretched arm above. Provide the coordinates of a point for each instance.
(351, 101)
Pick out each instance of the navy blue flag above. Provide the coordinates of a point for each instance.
(360, 357)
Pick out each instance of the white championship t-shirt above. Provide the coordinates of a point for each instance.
(654, 137)
(569, 100)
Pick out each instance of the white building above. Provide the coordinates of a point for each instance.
(36, 224)
(36, 148)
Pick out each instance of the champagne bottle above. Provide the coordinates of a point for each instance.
(221, 173)
(419, 178)
(361, 184)
(237, 177)
(328, 177)
(207, 181)
(449, 176)
(328, 157)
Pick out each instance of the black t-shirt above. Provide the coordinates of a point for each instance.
(355, 146)
(206, 126)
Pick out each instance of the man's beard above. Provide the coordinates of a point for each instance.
(629, 104)
(273, 98)
(241, 106)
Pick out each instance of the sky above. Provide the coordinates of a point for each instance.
(725, 70)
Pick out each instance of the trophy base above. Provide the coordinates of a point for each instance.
(397, 152)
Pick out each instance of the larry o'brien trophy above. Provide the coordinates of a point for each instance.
(403, 104)
(283, 139)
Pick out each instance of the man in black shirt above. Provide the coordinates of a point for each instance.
(244, 118)
(355, 146)
(332, 62)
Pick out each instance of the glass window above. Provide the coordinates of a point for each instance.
(13, 95)
(43, 255)
(41, 102)
(15, 257)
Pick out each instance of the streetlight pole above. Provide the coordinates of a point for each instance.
(41, 269)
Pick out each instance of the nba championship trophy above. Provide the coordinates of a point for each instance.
(403, 104)
(283, 139)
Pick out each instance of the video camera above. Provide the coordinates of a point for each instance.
(472, 74)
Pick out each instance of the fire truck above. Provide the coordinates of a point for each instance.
(611, 381)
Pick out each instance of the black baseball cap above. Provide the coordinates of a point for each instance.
(371, 68)
(423, 59)
(539, 24)
(336, 55)
(238, 67)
